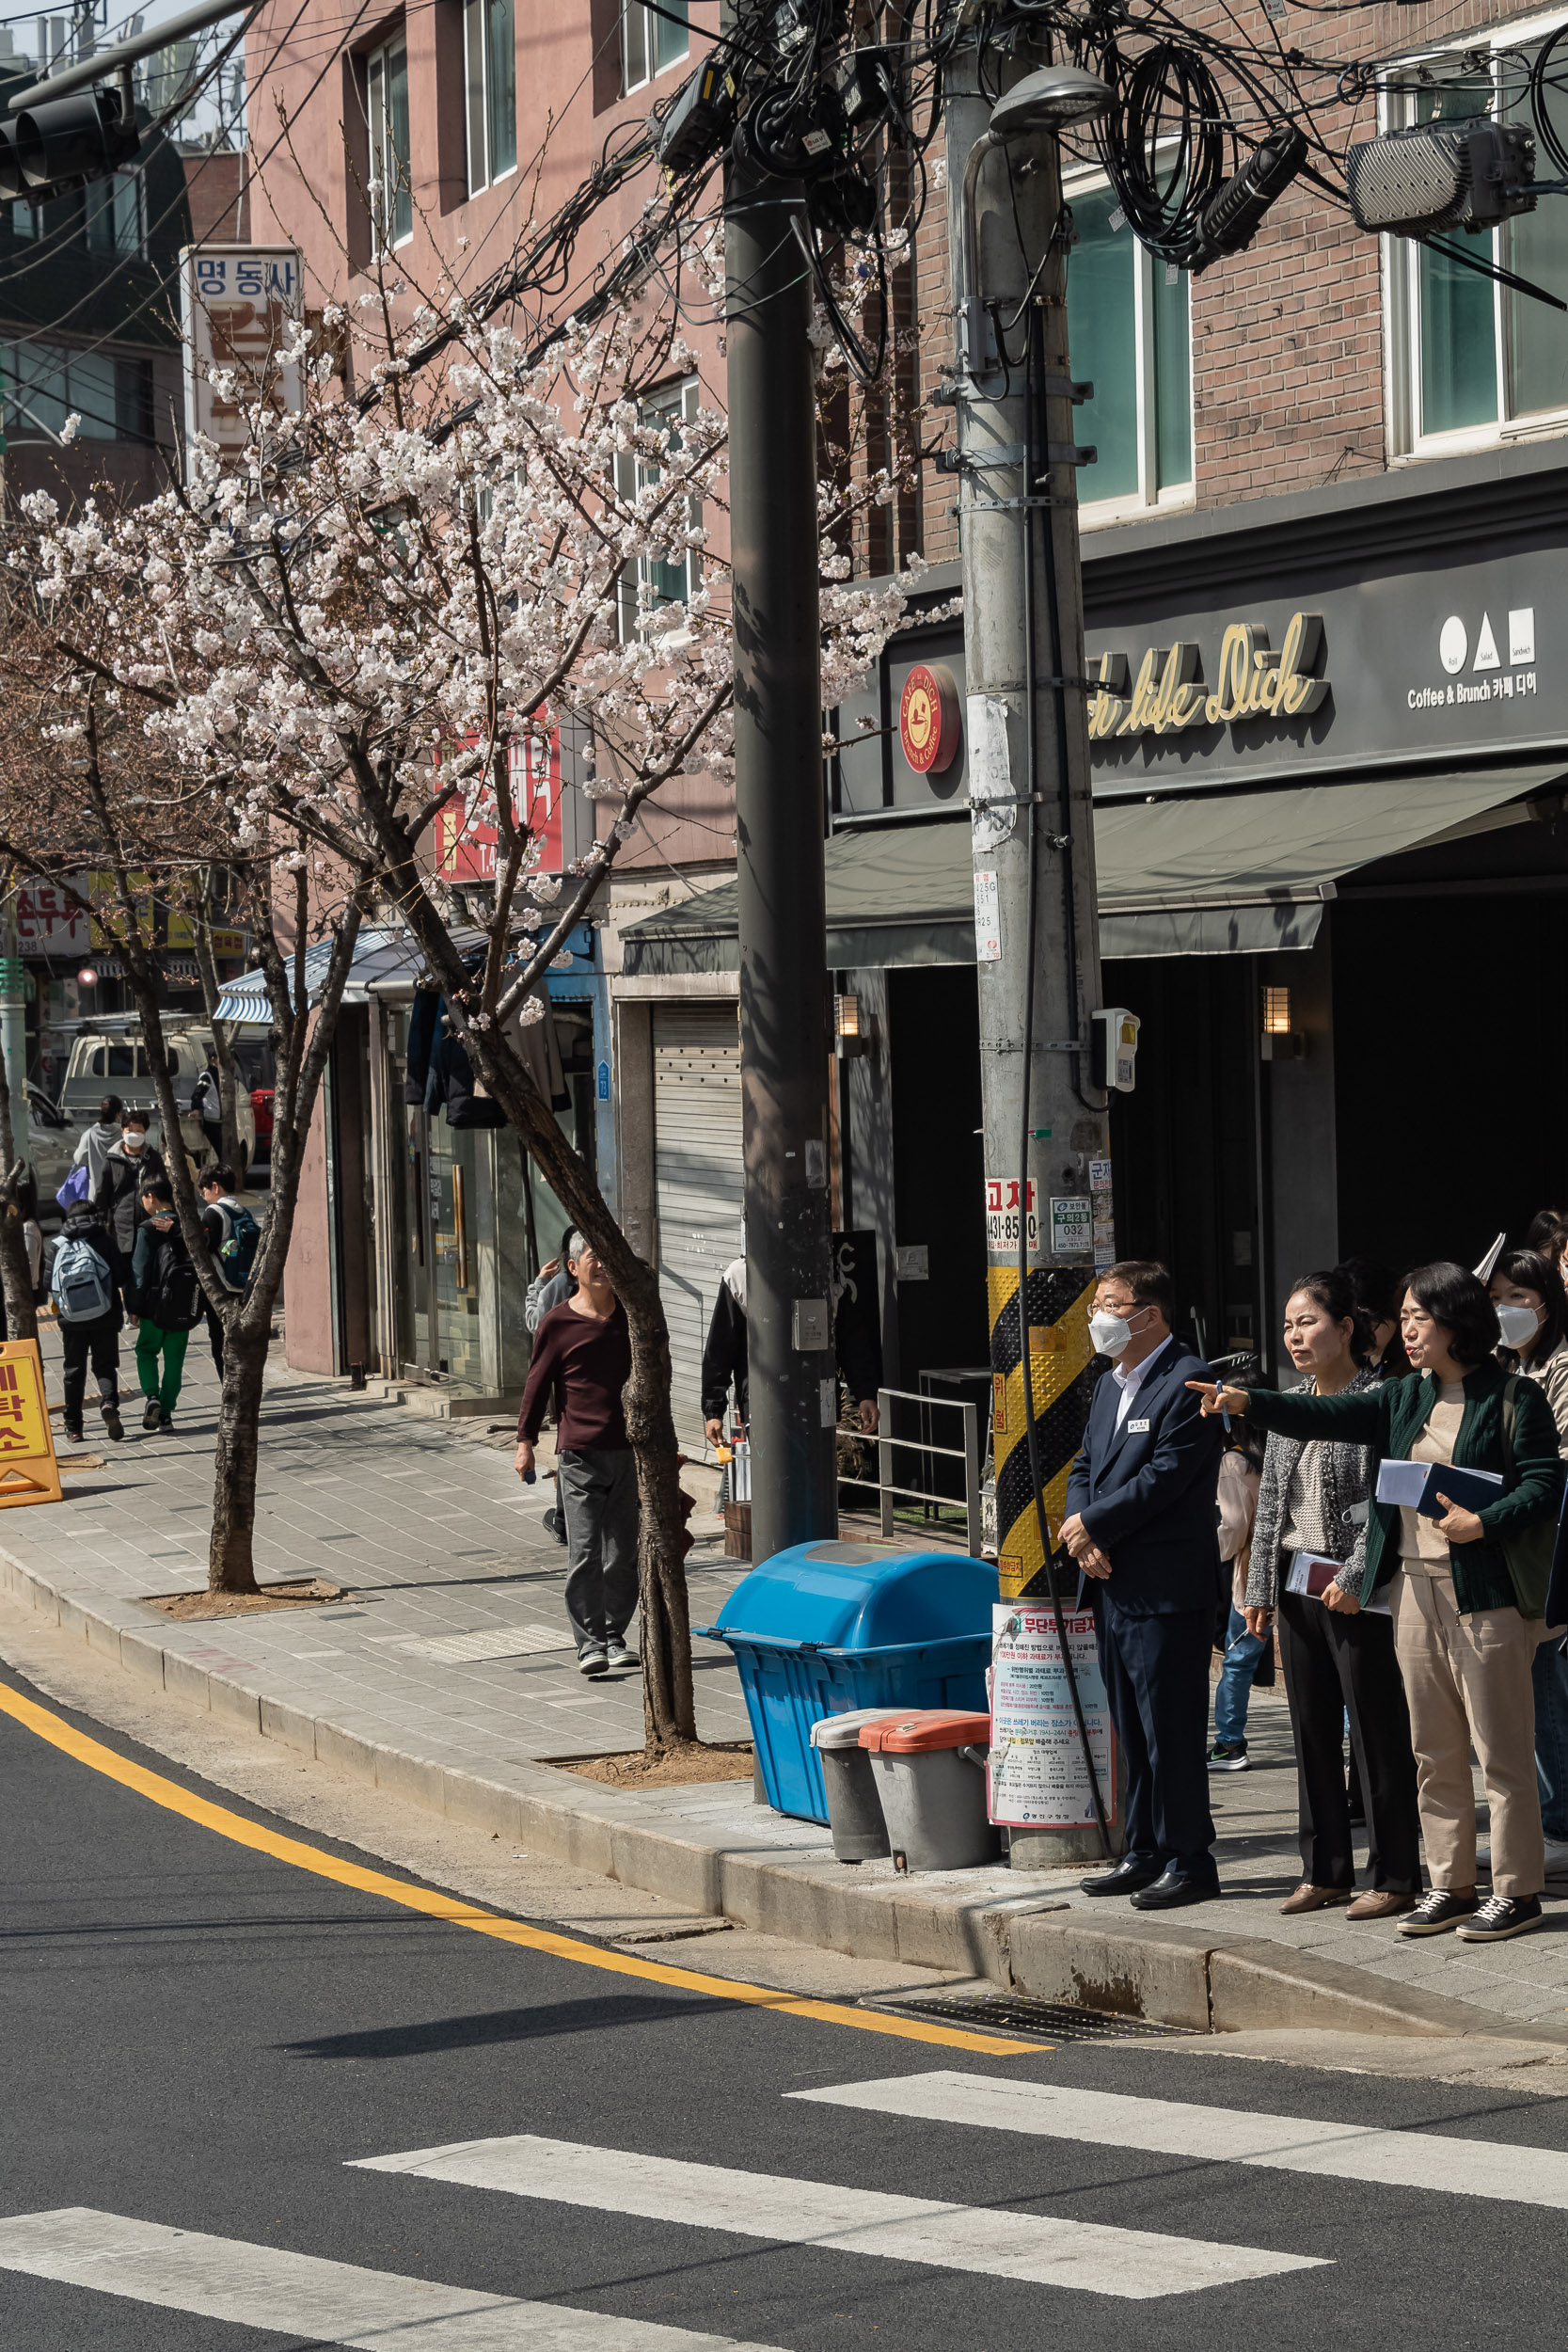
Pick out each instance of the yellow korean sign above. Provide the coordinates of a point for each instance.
(28, 1470)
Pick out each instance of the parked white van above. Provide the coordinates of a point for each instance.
(111, 1059)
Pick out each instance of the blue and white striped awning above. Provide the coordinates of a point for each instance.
(377, 954)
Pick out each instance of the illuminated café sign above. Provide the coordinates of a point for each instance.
(1170, 692)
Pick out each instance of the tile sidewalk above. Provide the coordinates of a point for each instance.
(443, 1559)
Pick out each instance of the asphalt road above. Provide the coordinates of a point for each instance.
(204, 2039)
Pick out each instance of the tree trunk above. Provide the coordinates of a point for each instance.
(233, 1152)
(231, 1560)
(16, 1275)
(668, 1702)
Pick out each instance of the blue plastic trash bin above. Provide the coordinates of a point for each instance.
(826, 1627)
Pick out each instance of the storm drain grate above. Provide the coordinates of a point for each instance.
(1007, 2013)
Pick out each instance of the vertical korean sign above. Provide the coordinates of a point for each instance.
(469, 840)
(28, 1470)
(237, 304)
(1037, 1776)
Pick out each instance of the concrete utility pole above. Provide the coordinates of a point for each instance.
(1047, 1167)
(779, 805)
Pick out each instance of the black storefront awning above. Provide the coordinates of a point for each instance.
(1220, 874)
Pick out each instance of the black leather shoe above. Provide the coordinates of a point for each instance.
(1133, 1871)
(1176, 1887)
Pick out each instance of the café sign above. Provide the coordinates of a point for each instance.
(1251, 682)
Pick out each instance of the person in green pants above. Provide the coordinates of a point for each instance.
(168, 1299)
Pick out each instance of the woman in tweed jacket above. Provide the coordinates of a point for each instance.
(1338, 1658)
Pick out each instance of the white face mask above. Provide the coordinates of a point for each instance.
(1518, 1325)
(134, 1138)
(1112, 1335)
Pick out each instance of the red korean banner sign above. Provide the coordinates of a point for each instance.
(467, 843)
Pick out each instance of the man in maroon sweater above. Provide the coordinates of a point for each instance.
(582, 1362)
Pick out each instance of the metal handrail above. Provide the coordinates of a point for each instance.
(968, 1454)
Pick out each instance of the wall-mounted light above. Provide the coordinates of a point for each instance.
(1280, 1041)
(849, 1036)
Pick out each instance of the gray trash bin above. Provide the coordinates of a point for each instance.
(930, 1776)
(854, 1808)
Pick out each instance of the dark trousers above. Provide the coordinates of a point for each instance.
(215, 1333)
(597, 1487)
(99, 1338)
(1333, 1663)
(1156, 1672)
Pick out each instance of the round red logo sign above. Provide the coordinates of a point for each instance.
(929, 727)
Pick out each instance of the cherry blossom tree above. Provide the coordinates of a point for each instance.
(350, 634)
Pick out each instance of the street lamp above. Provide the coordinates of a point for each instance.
(1057, 98)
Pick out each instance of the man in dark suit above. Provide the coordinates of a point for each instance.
(1141, 1527)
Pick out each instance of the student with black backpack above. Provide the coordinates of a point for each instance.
(82, 1285)
(168, 1299)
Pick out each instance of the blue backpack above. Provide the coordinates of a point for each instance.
(80, 1283)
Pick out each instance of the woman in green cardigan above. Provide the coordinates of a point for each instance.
(1468, 1591)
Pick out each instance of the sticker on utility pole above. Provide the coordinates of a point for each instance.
(1071, 1226)
(987, 917)
(1003, 1195)
(991, 774)
(1099, 1175)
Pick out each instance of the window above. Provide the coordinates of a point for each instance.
(490, 76)
(1129, 334)
(1472, 361)
(391, 188)
(46, 383)
(649, 42)
(654, 581)
(114, 214)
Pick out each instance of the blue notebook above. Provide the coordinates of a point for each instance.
(1415, 1485)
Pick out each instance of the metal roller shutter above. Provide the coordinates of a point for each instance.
(698, 1178)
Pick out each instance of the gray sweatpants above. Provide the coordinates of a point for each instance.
(598, 1495)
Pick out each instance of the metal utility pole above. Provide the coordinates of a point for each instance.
(779, 805)
(1047, 1167)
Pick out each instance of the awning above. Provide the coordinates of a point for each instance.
(380, 956)
(1218, 874)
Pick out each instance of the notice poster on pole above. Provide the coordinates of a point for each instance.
(1038, 1777)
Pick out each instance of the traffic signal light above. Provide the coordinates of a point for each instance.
(66, 142)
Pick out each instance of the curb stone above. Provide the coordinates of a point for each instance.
(1020, 1941)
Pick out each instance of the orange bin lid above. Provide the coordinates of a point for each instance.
(930, 1727)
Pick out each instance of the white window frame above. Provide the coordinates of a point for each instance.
(1096, 514)
(483, 173)
(383, 186)
(640, 28)
(675, 402)
(1401, 272)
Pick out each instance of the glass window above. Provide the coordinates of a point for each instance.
(1129, 335)
(490, 75)
(114, 214)
(391, 186)
(651, 41)
(654, 581)
(1478, 354)
(46, 383)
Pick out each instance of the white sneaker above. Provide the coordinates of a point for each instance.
(592, 1661)
(1557, 1858)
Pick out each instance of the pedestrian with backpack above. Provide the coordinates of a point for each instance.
(168, 1298)
(82, 1287)
(232, 1235)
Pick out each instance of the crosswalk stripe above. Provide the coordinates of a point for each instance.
(1042, 2250)
(1170, 2127)
(314, 2301)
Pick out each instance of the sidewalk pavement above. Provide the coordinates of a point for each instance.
(447, 1674)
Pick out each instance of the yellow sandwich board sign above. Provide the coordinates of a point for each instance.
(28, 1470)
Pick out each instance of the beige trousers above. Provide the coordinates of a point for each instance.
(1468, 1682)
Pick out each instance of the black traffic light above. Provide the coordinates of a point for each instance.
(66, 142)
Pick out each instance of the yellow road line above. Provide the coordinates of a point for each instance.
(459, 1914)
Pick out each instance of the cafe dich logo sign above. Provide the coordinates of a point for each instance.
(1251, 682)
